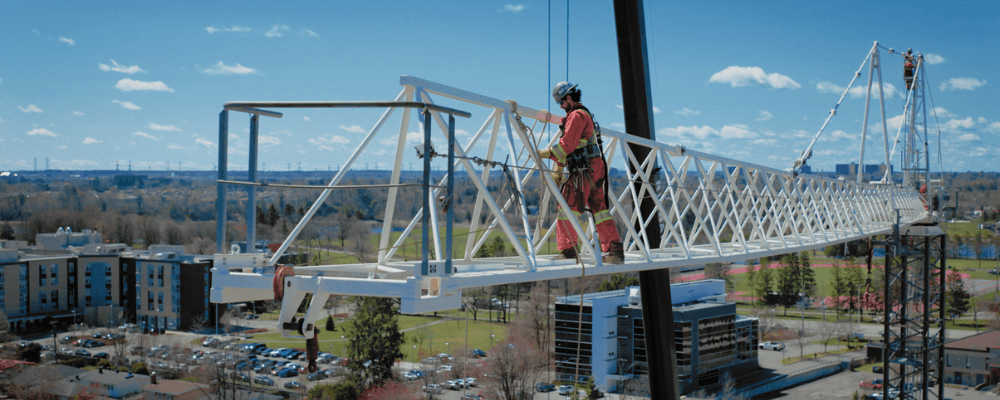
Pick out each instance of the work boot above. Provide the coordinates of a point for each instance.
(616, 255)
(568, 254)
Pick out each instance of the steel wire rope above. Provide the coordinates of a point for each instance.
(938, 125)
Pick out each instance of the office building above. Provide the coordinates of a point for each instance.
(609, 342)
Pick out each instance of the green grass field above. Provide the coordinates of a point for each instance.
(440, 335)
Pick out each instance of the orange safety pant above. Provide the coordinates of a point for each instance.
(587, 193)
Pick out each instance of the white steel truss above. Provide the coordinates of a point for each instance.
(709, 209)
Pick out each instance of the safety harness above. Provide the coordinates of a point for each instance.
(579, 160)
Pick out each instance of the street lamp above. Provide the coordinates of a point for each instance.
(449, 347)
(858, 291)
(414, 354)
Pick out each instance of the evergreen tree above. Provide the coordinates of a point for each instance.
(765, 281)
(329, 324)
(957, 297)
(6, 232)
(376, 338)
(618, 282)
(751, 274)
(841, 286)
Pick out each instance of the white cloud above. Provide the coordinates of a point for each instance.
(981, 120)
(461, 132)
(686, 111)
(353, 129)
(67, 41)
(307, 119)
(127, 85)
(514, 8)
(858, 91)
(765, 142)
(127, 104)
(753, 76)
(941, 112)
(967, 137)
(839, 134)
(736, 132)
(36, 32)
(325, 143)
(962, 84)
(656, 110)
(265, 140)
(120, 68)
(932, 59)
(966, 123)
(78, 113)
(31, 108)
(62, 147)
(205, 143)
(223, 69)
(994, 127)
(211, 29)
(41, 132)
(276, 31)
(238, 29)
(146, 135)
(90, 140)
(387, 142)
(764, 115)
(311, 33)
(174, 146)
(169, 128)
(701, 133)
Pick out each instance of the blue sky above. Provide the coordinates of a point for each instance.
(91, 84)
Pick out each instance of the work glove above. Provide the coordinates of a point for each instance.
(557, 174)
(545, 153)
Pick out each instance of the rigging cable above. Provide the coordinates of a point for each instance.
(936, 123)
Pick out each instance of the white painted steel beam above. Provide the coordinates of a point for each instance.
(710, 209)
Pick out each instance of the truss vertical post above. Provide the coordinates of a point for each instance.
(252, 190)
(425, 218)
(913, 348)
(657, 306)
(451, 190)
(220, 198)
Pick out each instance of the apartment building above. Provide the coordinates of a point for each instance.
(163, 277)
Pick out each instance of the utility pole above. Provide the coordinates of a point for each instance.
(657, 305)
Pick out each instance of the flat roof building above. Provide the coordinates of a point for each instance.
(609, 341)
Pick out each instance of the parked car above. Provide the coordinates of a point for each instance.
(472, 396)
(211, 342)
(877, 369)
(776, 346)
(251, 316)
(263, 380)
(431, 360)
(471, 382)
(66, 339)
(82, 353)
(288, 372)
(444, 368)
(315, 376)
(545, 387)
(101, 355)
(412, 375)
(456, 384)
(874, 384)
(292, 385)
(432, 388)
(478, 353)
(565, 390)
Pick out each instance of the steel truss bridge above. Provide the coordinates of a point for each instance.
(709, 209)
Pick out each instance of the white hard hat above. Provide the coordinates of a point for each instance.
(561, 90)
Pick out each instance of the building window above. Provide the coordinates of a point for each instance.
(55, 299)
(55, 275)
(150, 301)
(41, 275)
(159, 273)
(161, 301)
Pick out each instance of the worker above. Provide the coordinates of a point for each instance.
(579, 151)
(908, 68)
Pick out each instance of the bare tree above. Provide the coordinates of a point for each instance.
(728, 390)
(149, 230)
(827, 331)
(516, 364)
(800, 338)
(358, 234)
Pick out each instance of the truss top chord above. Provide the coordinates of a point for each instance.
(238, 105)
